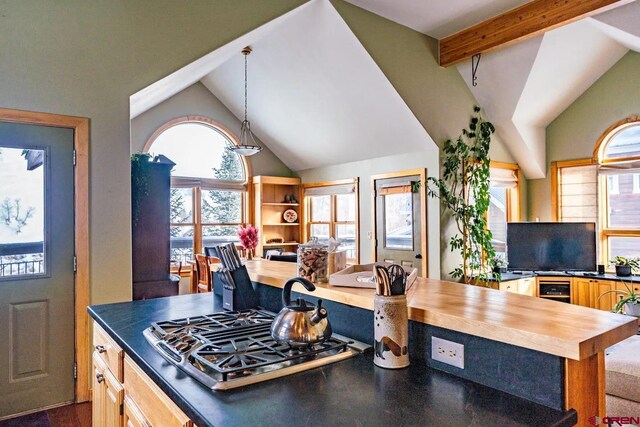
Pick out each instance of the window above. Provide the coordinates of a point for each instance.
(575, 184)
(208, 185)
(618, 153)
(504, 204)
(332, 211)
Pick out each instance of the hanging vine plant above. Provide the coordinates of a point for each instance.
(140, 184)
(464, 191)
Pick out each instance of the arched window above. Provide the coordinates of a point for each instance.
(618, 155)
(208, 184)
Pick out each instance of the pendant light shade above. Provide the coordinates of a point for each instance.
(248, 145)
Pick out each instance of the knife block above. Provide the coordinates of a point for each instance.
(242, 296)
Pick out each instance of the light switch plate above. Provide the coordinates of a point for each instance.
(449, 352)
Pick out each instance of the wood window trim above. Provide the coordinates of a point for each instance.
(422, 173)
(80, 126)
(199, 184)
(306, 208)
(196, 217)
(514, 207)
(608, 134)
(205, 121)
(603, 209)
(555, 182)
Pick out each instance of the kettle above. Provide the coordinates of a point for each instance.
(300, 323)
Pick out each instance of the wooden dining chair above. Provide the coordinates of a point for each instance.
(203, 273)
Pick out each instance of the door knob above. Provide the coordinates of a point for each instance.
(100, 349)
(99, 378)
(418, 256)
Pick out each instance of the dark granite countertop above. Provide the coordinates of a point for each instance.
(505, 277)
(351, 392)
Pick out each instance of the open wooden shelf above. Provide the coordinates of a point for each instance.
(269, 207)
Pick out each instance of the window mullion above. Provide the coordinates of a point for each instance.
(197, 218)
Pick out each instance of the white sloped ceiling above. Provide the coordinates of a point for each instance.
(316, 97)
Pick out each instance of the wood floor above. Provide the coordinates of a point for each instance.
(77, 415)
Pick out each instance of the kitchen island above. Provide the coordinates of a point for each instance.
(577, 336)
(549, 354)
(350, 392)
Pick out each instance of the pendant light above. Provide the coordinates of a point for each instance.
(247, 146)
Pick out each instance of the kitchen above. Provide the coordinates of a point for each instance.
(107, 268)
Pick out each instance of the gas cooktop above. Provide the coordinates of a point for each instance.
(234, 348)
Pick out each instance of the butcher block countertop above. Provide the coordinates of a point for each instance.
(561, 329)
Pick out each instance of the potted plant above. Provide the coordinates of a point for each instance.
(624, 266)
(630, 301)
(464, 191)
(500, 264)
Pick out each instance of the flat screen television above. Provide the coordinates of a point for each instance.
(551, 246)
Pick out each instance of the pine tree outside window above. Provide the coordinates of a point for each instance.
(208, 185)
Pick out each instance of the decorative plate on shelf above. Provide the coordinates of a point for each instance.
(290, 215)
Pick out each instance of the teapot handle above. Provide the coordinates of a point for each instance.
(286, 291)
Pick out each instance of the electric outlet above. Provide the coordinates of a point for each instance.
(447, 352)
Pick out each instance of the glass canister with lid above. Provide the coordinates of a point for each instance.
(313, 258)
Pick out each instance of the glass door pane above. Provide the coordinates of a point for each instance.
(22, 212)
(398, 221)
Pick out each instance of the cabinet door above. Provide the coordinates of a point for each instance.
(132, 415)
(606, 302)
(620, 286)
(113, 399)
(98, 386)
(527, 286)
(581, 292)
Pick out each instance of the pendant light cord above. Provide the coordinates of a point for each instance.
(245, 86)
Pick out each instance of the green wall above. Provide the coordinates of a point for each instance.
(437, 96)
(86, 58)
(575, 132)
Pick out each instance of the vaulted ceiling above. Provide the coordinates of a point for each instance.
(525, 86)
(316, 97)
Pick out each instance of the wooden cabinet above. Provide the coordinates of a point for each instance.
(581, 291)
(133, 417)
(150, 193)
(624, 287)
(271, 199)
(527, 286)
(108, 395)
(586, 292)
(132, 399)
(598, 288)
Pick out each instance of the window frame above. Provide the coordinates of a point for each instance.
(605, 231)
(198, 185)
(512, 202)
(333, 214)
(513, 194)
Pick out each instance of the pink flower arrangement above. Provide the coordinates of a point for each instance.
(248, 237)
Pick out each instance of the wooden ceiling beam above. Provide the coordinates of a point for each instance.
(516, 25)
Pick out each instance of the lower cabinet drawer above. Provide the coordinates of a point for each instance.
(154, 405)
(510, 286)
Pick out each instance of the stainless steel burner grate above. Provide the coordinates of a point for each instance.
(232, 349)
